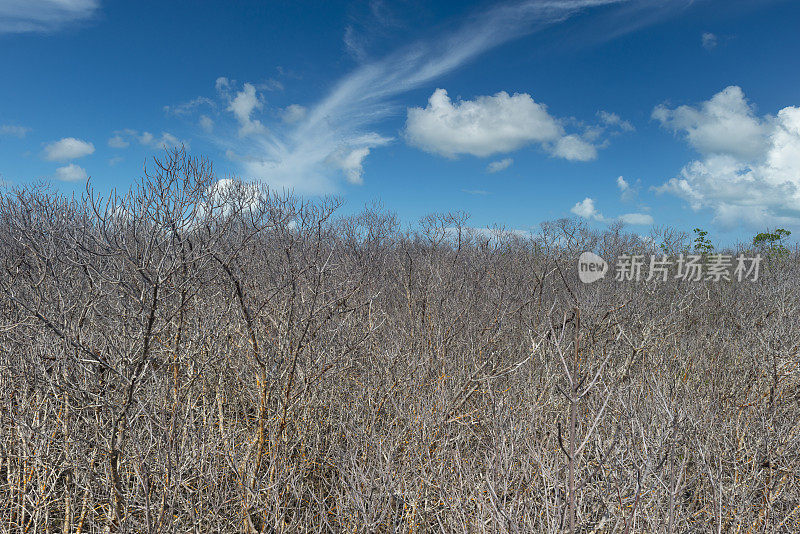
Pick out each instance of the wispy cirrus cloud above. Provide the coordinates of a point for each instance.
(23, 16)
(334, 135)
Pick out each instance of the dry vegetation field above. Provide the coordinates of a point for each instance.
(198, 358)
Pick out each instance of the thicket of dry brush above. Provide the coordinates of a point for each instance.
(194, 357)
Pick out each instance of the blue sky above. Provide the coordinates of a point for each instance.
(672, 112)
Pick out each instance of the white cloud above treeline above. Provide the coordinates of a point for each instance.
(67, 149)
(123, 139)
(587, 209)
(748, 172)
(637, 219)
(306, 145)
(72, 173)
(243, 104)
(725, 124)
(490, 125)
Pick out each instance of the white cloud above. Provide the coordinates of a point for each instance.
(123, 138)
(67, 148)
(490, 125)
(612, 119)
(709, 40)
(350, 158)
(222, 84)
(20, 16)
(293, 113)
(354, 43)
(116, 159)
(726, 124)
(628, 191)
(637, 219)
(117, 141)
(586, 209)
(166, 140)
(350, 162)
(303, 155)
(243, 104)
(206, 123)
(71, 173)
(187, 108)
(491, 233)
(501, 165)
(749, 173)
(14, 131)
(573, 148)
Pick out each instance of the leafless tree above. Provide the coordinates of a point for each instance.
(200, 355)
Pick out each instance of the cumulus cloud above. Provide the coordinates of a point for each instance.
(586, 209)
(490, 125)
(573, 148)
(481, 127)
(293, 113)
(243, 104)
(21, 16)
(500, 165)
(12, 130)
(67, 148)
(71, 173)
(725, 124)
(749, 169)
